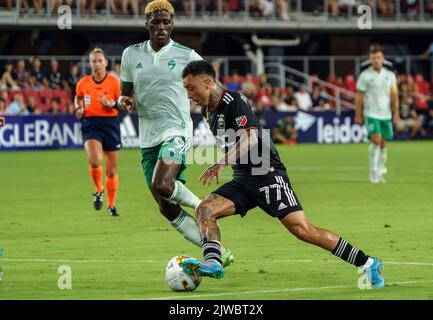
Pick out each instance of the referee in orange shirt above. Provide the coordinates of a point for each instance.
(95, 103)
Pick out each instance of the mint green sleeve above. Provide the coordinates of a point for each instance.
(125, 75)
(393, 80)
(361, 84)
(194, 56)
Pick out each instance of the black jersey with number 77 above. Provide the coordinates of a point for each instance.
(231, 116)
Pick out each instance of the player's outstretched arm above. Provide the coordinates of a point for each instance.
(248, 139)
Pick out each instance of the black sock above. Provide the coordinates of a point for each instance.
(348, 253)
(212, 251)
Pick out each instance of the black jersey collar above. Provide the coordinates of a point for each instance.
(99, 82)
(219, 103)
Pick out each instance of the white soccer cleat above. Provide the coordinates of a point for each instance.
(374, 178)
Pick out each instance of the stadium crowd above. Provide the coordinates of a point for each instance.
(384, 8)
(28, 87)
(257, 8)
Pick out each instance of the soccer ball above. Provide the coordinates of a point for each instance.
(177, 279)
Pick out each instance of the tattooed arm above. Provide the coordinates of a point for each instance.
(247, 141)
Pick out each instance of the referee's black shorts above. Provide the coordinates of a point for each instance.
(271, 192)
(104, 129)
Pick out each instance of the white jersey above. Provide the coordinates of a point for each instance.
(377, 92)
(161, 100)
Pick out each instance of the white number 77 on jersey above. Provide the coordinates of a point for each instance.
(281, 185)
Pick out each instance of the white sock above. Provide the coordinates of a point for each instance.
(373, 156)
(183, 196)
(368, 263)
(188, 227)
(382, 159)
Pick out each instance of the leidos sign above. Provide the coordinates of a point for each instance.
(340, 131)
(327, 127)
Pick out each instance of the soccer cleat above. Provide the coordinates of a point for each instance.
(98, 200)
(374, 273)
(208, 268)
(374, 178)
(112, 211)
(227, 257)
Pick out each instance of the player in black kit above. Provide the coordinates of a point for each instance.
(260, 179)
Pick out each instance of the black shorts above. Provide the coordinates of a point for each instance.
(104, 129)
(272, 193)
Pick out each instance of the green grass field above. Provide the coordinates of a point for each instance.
(47, 220)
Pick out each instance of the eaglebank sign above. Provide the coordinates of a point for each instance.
(327, 127)
(55, 132)
(40, 132)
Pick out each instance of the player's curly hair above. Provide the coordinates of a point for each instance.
(157, 5)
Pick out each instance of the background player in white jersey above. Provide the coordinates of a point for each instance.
(151, 79)
(377, 102)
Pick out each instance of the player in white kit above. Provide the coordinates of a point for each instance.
(377, 102)
(151, 80)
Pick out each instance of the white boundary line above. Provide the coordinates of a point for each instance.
(428, 264)
(277, 291)
(96, 261)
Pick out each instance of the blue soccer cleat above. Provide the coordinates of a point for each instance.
(374, 273)
(208, 268)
